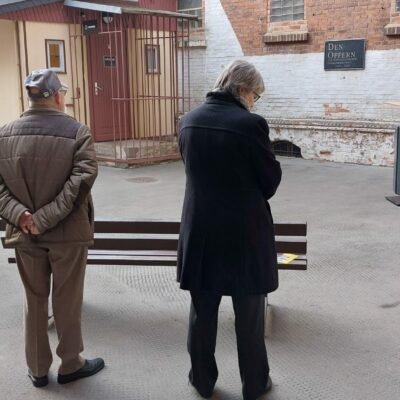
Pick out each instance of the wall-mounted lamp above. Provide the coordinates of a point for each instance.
(107, 17)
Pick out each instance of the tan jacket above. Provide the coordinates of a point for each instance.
(47, 166)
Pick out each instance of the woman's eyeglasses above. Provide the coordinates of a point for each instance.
(256, 97)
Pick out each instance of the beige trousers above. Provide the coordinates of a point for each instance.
(66, 267)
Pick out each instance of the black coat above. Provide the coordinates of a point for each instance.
(226, 242)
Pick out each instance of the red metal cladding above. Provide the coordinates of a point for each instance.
(54, 12)
(167, 5)
(57, 12)
(138, 80)
(150, 22)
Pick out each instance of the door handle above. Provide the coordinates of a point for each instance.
(97, 88)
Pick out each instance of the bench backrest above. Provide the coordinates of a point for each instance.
(288, 235)
(160, 239)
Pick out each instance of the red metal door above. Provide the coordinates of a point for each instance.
(108, 87)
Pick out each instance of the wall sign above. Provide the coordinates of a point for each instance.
(90, 27)
(344, 54)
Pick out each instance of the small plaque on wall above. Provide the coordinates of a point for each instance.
(90, 27)
(344, 54)
(109, 61)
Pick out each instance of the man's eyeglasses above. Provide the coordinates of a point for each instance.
(256, 97)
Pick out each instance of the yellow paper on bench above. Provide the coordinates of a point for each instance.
(286, 258)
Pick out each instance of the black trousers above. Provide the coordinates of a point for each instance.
(249, 326)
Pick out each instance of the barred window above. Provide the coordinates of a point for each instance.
(152, 59)
(192, 7)
(288, 10)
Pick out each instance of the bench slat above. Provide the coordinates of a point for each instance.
(297, 265)
(294, 266)
(283, 246)
(300, 265)
(290, 229)
(114, 261)
(172, 227)
(156, 253)
(151, 254)
(136, 244)
(157, 227)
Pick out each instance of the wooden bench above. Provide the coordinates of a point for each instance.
(154, 243)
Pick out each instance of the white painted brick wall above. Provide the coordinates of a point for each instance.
(299, 87)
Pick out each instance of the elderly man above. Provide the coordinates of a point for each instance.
(47, 169)
(227, 242)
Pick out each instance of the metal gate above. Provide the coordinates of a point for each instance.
(136, 74)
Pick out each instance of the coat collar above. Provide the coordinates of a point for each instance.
(216, 97)
(34, 110)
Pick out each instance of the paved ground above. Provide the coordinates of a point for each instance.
(333, 331)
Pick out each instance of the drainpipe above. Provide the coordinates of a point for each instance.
(21, 89)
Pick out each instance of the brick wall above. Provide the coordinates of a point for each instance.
(329, 19)
(345, 116)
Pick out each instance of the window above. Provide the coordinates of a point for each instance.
(287, 10)
(152, 59)
(192, 7)
(55, 55)
(398, 5)
(286, 149)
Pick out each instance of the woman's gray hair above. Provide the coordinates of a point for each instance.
(240, 74)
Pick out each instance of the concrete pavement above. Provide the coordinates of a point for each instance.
(333, 331)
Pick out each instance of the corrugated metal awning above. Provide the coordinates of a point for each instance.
(125, 10)
(148, 11)
(7, 6)
(93, 6)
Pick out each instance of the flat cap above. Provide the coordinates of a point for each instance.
(46, 80)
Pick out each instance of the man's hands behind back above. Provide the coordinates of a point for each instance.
(27, 225)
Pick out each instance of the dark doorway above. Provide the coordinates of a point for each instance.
(286, 149)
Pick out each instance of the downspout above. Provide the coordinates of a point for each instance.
(26, 50)
(83, 78)
(21, 89)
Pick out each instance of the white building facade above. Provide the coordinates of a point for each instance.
(337, 115)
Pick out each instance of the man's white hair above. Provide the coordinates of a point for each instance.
(240, 74)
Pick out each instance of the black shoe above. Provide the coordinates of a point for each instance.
(38, 381)
(268, 386)
(202, 393)
(90, 368)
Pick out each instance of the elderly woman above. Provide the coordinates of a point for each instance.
(226, 244)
